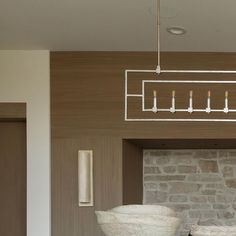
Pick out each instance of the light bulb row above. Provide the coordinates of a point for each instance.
(190, 107)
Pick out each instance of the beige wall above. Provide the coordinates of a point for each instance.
(25, 77)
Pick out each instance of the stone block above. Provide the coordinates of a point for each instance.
(224, 198)
(149, 186)
(207, 222)
(220, 206)
(204, 178)
(198, 199)
(215, 186)
(223, 154)
(182, 160)
(195, 214)
(205, 154)
(146, 152)
(163, 186)
(178, 198)
(228, 172)
(232, 153)
(155, 197)
(160, 153)
(180, 207)
(234, 206)
(169, 169)
(183, 153)
(207, 166)
(164, 177)
(186, 169)
(230, 222)
(225, 214)
(183, 187)
(208, 192)
(201, 206)
(149, 160)
(152, 170)
(211, 199)
(231, 183)
(228, 161)
(209, 214)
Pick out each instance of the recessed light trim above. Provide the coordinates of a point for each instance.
(176, 30)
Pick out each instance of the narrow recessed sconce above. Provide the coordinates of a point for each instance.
(85, 175)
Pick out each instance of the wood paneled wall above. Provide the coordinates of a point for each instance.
(13, 178)
(132, 168)
(87, 107)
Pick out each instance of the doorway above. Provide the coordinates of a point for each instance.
(13, 177)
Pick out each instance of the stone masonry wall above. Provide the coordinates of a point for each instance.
(200, 185)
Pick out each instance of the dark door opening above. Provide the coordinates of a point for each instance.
(13, 178)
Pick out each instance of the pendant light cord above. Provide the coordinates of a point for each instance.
(158, 70)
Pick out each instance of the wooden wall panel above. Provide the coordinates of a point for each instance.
(88, 94)
(67, 217)
(13, 178)
(87, 108)
(132, 173)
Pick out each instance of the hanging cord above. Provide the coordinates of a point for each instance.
(158, 69)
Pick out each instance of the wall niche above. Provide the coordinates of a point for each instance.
(196, 178)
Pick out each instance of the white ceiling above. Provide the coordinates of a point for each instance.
(117, 25)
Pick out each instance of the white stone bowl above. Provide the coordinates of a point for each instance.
(197, 230)
(117, 224)
(144, 210)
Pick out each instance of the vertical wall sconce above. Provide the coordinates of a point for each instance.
(85, 175)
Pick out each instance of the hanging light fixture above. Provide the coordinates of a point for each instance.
(173, 109)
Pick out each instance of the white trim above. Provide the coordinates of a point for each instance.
(142, 95)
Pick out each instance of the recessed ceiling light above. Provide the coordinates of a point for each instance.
(176, 30)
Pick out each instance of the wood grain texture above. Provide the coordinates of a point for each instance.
(13, 178)
(13, 111)
(132, 173)
(87, 109)
(68, 218)
(88, 94)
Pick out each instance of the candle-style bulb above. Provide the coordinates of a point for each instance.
(172, 109)
(190, 108)
(226, 109)
(209, 94)
(208, 109)
(191, 93)
(154, 93)
(226, 94)
(173, 93)
(154, 108)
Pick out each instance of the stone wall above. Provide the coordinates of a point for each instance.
(199, 184)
